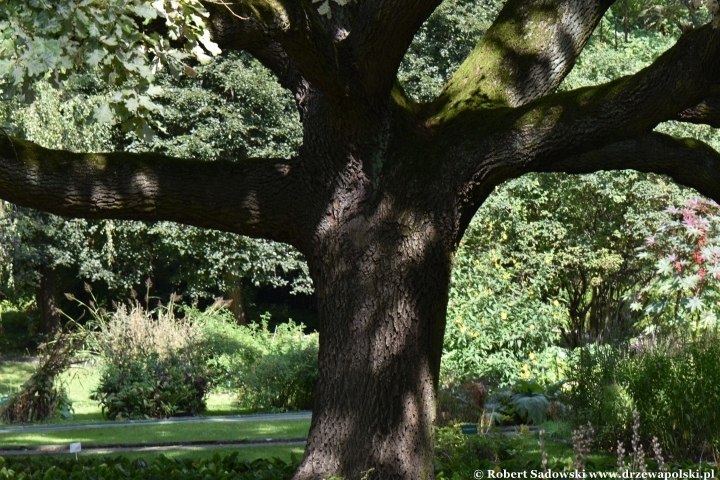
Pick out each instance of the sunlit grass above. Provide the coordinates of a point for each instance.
(13, 375)
(167, 432)
(81, 380)
(223, 404)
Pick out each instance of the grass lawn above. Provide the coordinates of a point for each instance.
(80, 380)
(14, 374)
(559, 452)
(174, 432)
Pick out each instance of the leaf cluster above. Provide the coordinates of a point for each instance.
(49, 39)
(685, 251)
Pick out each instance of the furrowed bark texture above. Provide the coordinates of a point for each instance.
(247, 196)
(382, 291)
(383, 188)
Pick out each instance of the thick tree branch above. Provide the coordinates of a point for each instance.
(255, 197)
(587, 118)
(487, 147)
(381, 35)
(688, 161)
(283, 34)
(706, 112)
(528, 51)
(681, 78)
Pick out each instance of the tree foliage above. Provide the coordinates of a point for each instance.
(235, 94)
(685, 253)
(50, 39)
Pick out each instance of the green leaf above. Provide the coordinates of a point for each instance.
(95, 57)
(110, 41)
(103, 114)
(324, 9)
(148, 12)
(132, 104)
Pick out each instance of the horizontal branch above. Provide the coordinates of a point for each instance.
(487, 147)
(526, 53)
(688, 161)
(254, 197)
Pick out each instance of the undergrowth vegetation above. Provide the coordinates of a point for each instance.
(162, 363)
(269, 369)
(41, 397)
(153, 364)
(218, 467)
(673, 385)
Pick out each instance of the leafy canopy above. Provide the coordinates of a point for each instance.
(52, 38)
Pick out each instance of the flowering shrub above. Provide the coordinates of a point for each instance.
(498, 328)
(686, 250)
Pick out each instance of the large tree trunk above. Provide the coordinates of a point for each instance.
(383, 187)
(382, 293)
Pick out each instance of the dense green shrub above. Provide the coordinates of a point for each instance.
(267, 368)
(154, 387)
(675, 387)
(599, 394)
(150, 367)
(103, 468)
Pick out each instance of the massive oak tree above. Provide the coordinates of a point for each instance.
(383, 187)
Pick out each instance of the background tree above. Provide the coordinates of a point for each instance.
(382, 188)
(49, 255)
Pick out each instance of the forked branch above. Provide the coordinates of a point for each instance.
(260, 26)
(493, 145)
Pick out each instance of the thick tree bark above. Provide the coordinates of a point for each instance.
(46, 297)
(382, 299)
(235, 295)
(382, 188)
